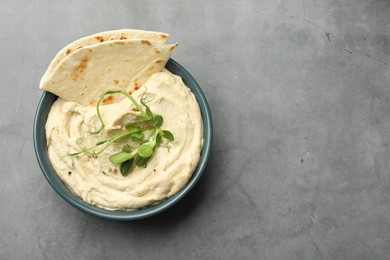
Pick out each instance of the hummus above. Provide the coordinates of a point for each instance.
(99, 182)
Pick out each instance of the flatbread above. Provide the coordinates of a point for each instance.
(84, 74)
(122, 34)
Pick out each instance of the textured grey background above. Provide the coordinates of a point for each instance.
(300, 95)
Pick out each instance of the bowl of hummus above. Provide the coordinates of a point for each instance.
(122, 131)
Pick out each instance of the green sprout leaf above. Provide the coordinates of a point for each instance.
(149, 113)
(137, 137)
(133, 128)
(125, 167)
(142, 118)
(168, 135)
(101, 142)
(158, 140)
(120, 157)
(158, 120)
(126, 148)
(140, 161)
(146, 150)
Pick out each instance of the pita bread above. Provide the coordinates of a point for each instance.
(122, 34)
(87, 72)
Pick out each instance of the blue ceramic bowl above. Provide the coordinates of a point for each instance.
(42, 112)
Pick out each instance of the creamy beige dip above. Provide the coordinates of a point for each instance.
(98, 181)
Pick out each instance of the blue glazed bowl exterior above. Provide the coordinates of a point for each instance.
(40, 146)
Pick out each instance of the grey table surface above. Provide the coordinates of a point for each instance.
(300, 97)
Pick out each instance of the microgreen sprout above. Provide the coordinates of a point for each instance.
(146, 124)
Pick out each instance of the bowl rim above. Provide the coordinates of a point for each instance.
(39, 137)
